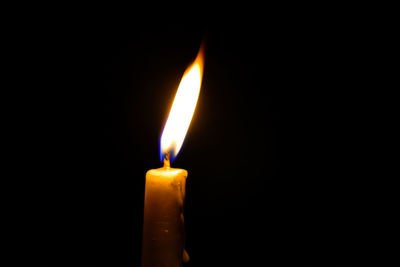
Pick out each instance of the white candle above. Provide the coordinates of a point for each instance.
(163, 226)
(163, 222)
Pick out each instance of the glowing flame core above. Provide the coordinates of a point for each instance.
(182, 108)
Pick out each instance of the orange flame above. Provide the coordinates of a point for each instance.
(183, 107)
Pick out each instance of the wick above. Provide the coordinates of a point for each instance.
(166, 161)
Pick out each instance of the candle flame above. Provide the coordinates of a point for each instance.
(183, 107)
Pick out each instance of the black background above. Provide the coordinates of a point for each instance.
(262, 152)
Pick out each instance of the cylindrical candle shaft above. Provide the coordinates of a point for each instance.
(163, 223)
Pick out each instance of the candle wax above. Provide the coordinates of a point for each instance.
(163, 222)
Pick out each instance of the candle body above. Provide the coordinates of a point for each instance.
(163, 221)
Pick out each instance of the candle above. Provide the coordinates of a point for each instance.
(163, 221)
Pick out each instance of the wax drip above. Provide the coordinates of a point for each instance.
(181, 200)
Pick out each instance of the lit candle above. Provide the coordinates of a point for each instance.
(163, 223)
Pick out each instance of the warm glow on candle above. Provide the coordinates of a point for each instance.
(182, 108)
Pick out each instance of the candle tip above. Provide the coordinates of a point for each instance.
(167, 163)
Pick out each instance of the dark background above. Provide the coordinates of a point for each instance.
(263, 150)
